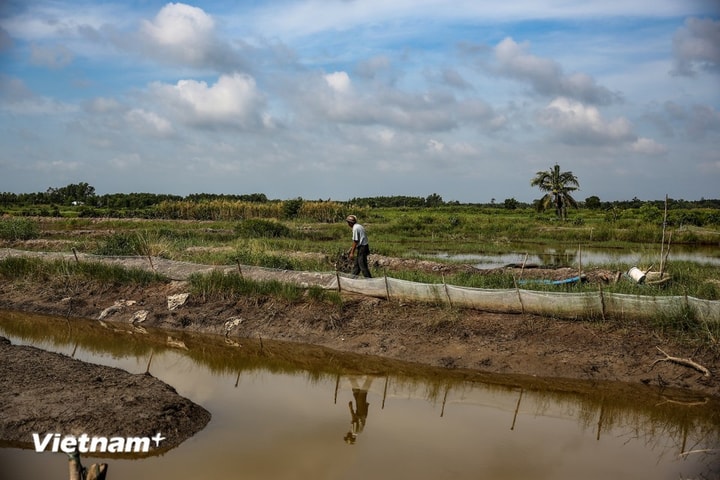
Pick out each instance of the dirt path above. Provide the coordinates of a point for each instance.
(432, 335)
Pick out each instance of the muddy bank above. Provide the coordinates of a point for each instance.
(437, 336)
(43, 392)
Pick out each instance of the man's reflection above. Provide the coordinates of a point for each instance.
(359, 414)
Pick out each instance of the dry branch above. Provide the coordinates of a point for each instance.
(686, 362)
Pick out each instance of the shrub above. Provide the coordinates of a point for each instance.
(120, 244)
(259, 228)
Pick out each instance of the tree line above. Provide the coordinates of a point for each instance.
(83, 195)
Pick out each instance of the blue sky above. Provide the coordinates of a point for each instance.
(354, 98)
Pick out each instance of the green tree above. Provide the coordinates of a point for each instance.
(511, 203)
(593, 202)
(558, 186)
(291, 208)
(433, 200)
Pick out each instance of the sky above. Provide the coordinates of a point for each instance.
(339, 99)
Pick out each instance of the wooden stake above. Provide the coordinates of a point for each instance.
(442, 411)
(382, 407)
(147, 369)
(517, 409)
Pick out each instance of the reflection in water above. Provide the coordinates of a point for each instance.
(274, 414)
(359, 414)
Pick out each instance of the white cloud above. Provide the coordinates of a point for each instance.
(149, 123)
(577, 124)
(435, 146)
(180, 26)
(185, 35)
(648, 146)
(338, 81)
(232, 101)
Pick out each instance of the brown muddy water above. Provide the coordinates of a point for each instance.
(278, 414)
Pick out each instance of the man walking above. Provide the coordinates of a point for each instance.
(360, 245)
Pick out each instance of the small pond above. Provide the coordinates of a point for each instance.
(280, 413)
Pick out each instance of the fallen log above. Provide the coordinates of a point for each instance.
(686, 362)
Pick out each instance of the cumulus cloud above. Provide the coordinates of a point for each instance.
(180, 25)
(696, 46)
(185, 34)
(546, 76)
(338, 81)
(233, 101)
(577, 123)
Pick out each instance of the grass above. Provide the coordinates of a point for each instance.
(13, 229)
(231, 286)
(24, 268)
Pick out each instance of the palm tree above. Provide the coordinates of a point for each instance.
(558, 186)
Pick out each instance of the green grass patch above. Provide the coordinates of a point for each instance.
(220, 286)
(25, 268)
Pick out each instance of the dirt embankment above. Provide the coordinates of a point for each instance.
(432, 335)
(48, 393)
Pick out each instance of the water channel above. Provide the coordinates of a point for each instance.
(293, 413)
(583, 256)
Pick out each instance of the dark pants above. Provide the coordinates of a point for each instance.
(361, 261)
